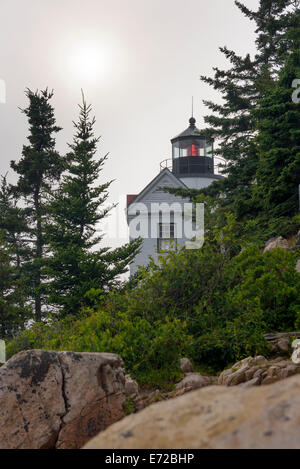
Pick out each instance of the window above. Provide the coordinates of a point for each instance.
(166, 237)
(193, 150)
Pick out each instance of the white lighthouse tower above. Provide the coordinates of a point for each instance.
(155, 214)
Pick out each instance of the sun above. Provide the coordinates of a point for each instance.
(89, 63)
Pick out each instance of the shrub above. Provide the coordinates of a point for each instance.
(210, 304)
(151, 352)
(268, 281)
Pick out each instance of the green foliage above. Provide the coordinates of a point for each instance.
(38, 169)
(257, 293)
(129, 406)
(150, 351)
(269, 280)
(257, 124)
(231, 341)
(14, 224)
(213, 305)
(241, 86)
(13, 310)
(298, 320)
(278, 145)
(50, 219)
(77, 263)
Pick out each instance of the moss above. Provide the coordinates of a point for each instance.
(129, 406)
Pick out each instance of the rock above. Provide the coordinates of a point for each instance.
(296, 343)
(154, 396)
(271, 375)
(296, 353)
(284, 344)
(235, 378)
(97, 402)
(192, 381)
(289, 370)
(260, 369)
(31, 401)
(252, 382)
(131, 386)
(260, 360)
(215, 417)
(258, 373)
(296, 356)
(59, 400)
(252, 373)
(132, 393)
(281, 341)
(274, 243)
(273, 337)
(241, 371)
(186, 366)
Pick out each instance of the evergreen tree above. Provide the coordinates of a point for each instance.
(39, 168)
(278, 143)
(78, 264)
(13, 224)
(232, 123)
(13, 309)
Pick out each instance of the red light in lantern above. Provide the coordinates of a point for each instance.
(193, 150)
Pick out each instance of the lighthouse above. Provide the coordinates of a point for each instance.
(156, 215)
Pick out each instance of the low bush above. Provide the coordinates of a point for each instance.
(150, 351)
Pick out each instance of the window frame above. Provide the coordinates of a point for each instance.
(166, 232)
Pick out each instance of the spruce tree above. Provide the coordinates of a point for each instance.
(39, 168)
(278, 145)
(232, 123)
(13, 309)
(14, 224)
(79, 264)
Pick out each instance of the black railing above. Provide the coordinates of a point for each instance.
(186, 165)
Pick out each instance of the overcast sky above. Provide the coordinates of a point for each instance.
(138, 61)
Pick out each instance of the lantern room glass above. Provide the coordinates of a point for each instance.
(192, 147)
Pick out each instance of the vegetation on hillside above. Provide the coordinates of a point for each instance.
(257, 123)
(49, 220)
(77, 262)
(213, 304)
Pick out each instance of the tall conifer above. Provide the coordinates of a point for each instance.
(14, 224)
(278, 145)
(39, 168)
(79, 263)
(13, 308)
(232, 123)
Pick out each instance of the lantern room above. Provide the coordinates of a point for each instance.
(192, 153)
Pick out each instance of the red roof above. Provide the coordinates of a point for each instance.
(130, 198)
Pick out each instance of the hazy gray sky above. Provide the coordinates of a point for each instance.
(138, 61)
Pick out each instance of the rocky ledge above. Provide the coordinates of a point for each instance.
(59, 399)
(64, 399)
(215, 417)
(257, 371)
